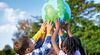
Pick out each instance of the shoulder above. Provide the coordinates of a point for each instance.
(77, 52)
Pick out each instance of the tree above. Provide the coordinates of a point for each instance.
(1, 52)
(7, 50)
(83, 26)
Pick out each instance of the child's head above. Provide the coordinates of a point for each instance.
(23, 45)
(70, 45)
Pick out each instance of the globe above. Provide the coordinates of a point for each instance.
(56, 9)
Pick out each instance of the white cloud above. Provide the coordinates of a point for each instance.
(6, 34)
(7, 27)
(11, 14)
(22, 14)
(14, 15)
(3, 5)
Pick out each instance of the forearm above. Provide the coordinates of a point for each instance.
(54, 42)
(69, 33)
(60, 32)
(67, 29)
(55, 46)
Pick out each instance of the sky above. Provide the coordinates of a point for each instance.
(13, 10)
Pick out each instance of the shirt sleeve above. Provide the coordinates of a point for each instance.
(62, 37)
(45, 47)
(38, 35)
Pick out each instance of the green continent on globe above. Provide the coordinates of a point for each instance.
(56, 9)
(51, 13)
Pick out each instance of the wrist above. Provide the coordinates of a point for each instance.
(52, 39)
(56, 29)
(60, 34)
(48, 35)
(48, 32)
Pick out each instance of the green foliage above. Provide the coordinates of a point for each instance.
(35, 28)
(7, 50)
(82, 27)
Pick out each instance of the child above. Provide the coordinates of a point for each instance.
(66, 27)
(73, 50)
(24, 46)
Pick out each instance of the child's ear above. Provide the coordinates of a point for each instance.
(27, 50)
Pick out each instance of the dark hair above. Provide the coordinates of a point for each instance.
(71, 45)
(24, 44)
(81, 49)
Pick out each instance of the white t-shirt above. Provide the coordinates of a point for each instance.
(62, 53)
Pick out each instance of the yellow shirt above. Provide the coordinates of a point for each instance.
(38, 35)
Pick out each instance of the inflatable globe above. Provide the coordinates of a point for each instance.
(56, 9)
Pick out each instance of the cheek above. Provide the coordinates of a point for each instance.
(16, 47)
(32, 46)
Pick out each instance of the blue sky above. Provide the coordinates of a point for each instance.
(32, 6)
(13, 10)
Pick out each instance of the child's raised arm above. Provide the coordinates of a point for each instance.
(40, 33)
(54, 36)
(67, 27)
(44, 50)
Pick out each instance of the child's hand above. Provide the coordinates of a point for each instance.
(49, 28)
(43, 26)
(57, 24)
(65, 26)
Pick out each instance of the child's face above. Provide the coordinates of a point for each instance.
(18, 44)
(30, 48)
